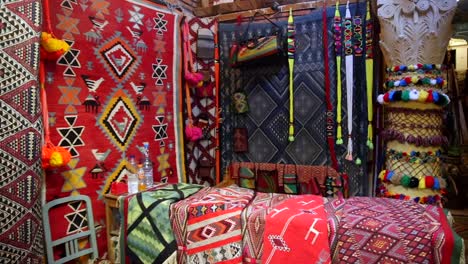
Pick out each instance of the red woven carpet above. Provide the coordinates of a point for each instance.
(115, 89)
(21, 233)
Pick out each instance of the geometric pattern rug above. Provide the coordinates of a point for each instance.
(117, 87)
(203, 111)
(21, 238)
(267, 90)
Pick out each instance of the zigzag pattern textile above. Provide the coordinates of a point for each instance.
(116, 88)
(204, 111)
(21, 238)
(149, 233)
(267, 91)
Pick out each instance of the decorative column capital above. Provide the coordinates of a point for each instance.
(415, 31)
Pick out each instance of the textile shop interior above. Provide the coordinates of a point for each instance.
(233, 131)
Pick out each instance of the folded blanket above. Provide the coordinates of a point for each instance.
(297, 229)
(149, 234)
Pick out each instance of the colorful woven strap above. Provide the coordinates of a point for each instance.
(330, 121)
(217, 114)
(291, 51)
(349, 78)
(338, 51)
(369, 78)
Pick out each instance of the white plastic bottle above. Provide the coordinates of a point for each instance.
(132, 177)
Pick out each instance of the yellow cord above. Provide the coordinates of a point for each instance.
(339, 135)
(370, 107)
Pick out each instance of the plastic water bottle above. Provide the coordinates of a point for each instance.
(148, 167)
(132, 177)
(141, 178)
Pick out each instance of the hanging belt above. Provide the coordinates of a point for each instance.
(330, 119)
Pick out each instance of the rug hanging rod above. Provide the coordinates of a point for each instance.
(281, 9)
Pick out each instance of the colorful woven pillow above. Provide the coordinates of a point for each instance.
(246, 178)
(267, 181)
(290, 183)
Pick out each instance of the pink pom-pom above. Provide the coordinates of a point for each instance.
(193, 133)
(193, 78)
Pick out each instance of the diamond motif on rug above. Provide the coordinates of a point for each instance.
(380, 244)
(118, 57)
(306, 103)
(120, 120)
(261, 105)
(278, 243)
(261, 148)
(207, 232)
(299, 153)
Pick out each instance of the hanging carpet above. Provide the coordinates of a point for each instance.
(202, 106)
(266, 88)
(21, 238)
(116, 88)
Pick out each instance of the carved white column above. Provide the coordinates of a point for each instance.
(414, 38)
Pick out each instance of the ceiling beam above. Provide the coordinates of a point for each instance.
(220, 11)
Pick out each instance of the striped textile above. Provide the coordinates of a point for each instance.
(212, 233)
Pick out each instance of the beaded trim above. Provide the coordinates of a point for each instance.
(415, 80)
(348, 36)
(358, 45)
(337, 33)
(418, 157)
(407, 95)
(431, 199)
(390, 134)
(369, 51)
(424, 182)
(415, 67)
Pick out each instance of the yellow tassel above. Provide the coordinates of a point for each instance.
(370, 144)
(51, 44)
(291, 133)
(56, 160)
(339, 135)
